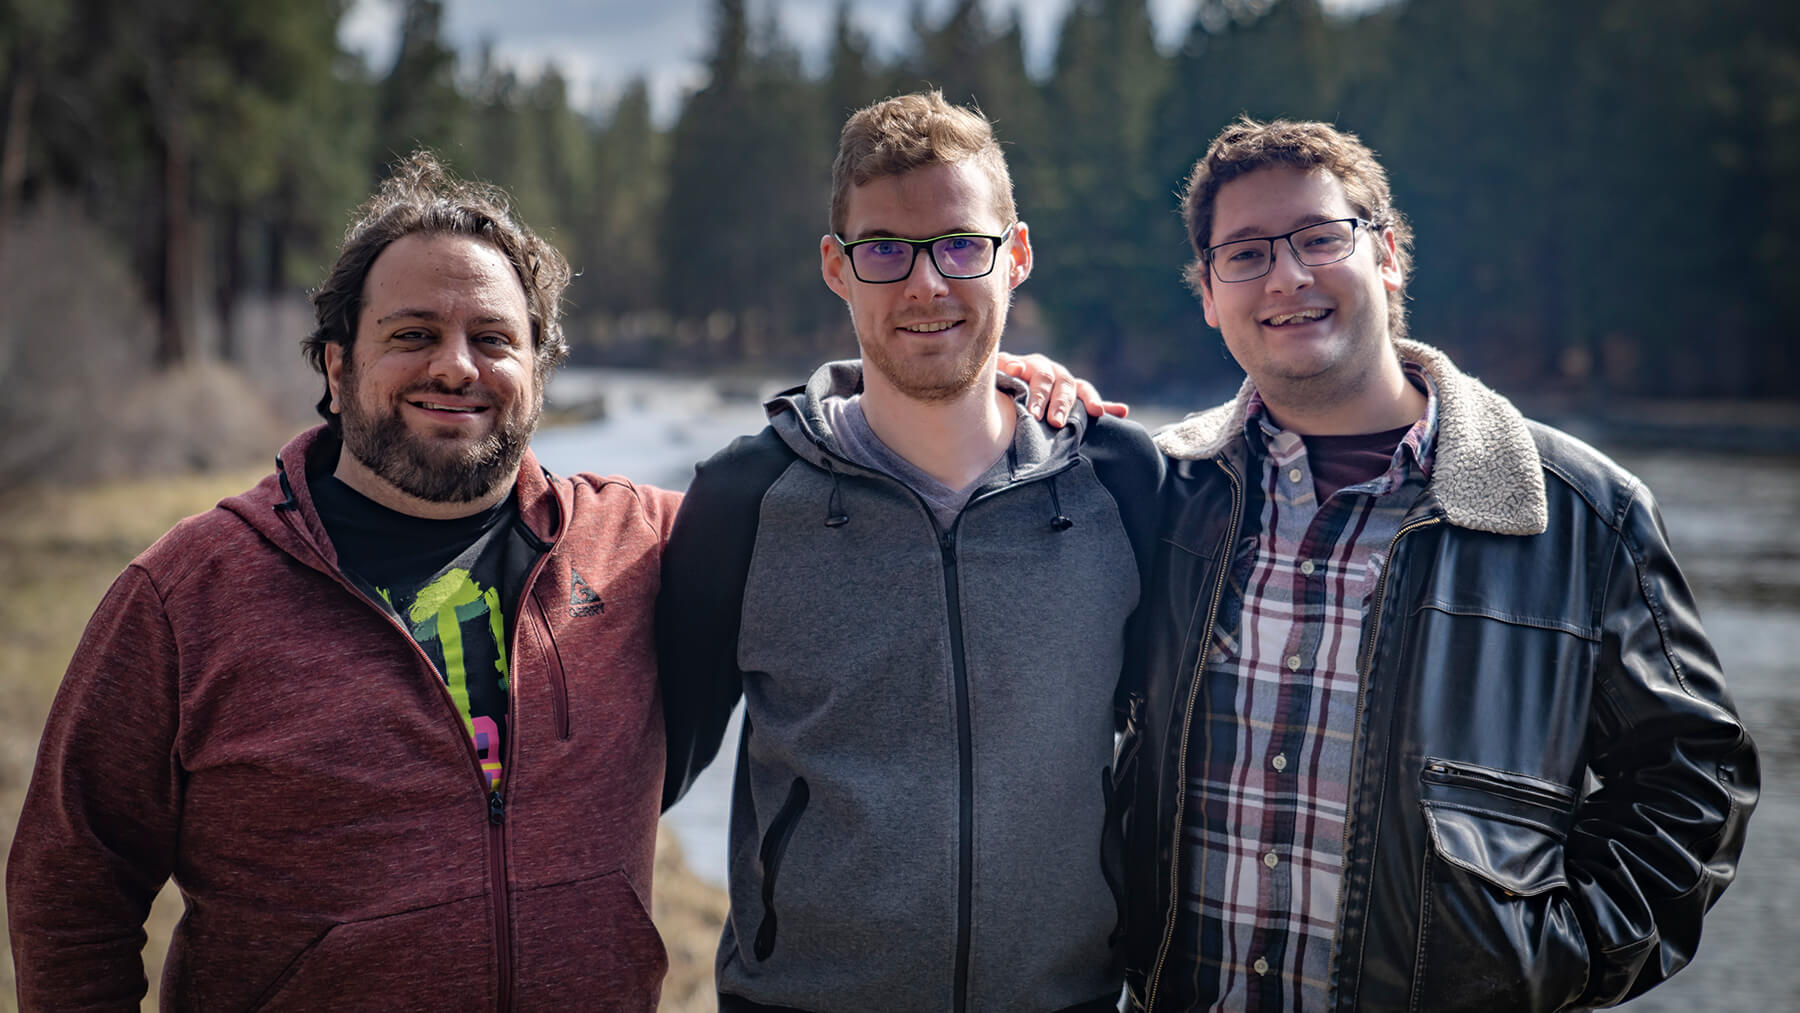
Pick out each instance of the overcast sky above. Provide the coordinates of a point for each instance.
(601, 44)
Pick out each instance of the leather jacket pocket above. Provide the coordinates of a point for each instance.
(774, 845)
(1496, 929)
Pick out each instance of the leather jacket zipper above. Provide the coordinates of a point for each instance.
(1187, 723)
(1364, 663)
(1516, 786)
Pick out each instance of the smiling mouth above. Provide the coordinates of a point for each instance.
(1306, 316)
(434, 406)
(930, 328)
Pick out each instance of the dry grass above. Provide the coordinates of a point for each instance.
(59, 551)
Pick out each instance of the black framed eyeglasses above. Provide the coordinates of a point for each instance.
(1314, 246)
(883, 260)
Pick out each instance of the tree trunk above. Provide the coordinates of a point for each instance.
(20, 94)
(230, 277)
(177, 245)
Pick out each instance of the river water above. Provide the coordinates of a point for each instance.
(1735, 525)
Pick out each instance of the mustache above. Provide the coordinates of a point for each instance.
(435, 386)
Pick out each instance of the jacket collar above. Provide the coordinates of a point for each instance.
(281, 505)
(1487, 475)
(798, 418)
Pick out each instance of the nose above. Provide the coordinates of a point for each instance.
(453, 361)
(1287, 274)
(926, 282)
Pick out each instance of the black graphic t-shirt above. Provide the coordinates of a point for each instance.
(453, 584)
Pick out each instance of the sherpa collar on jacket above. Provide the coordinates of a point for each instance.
(1487, 475)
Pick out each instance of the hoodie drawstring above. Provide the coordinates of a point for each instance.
(835, 517)
(287, 490)
(1060, 522)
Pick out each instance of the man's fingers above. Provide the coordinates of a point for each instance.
(1053, 389)
(1096, 407)
(1062, 399)
(1042, 375)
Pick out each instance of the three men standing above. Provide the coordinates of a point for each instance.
(1420, 712)
(1429, 721)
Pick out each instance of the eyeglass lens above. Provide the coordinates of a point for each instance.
(892, 259)
(1315, 246)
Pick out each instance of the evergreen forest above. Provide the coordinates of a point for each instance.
(1606, 193)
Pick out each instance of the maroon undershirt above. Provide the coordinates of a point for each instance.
(1340, 461)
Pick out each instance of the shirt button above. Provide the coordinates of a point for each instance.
(1293, 663)
(1295, 474)
(1307, 567)
(1271, 860)
(1279, 762)
(1261, 965)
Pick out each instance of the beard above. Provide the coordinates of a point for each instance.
(432, 470)
(936, 378)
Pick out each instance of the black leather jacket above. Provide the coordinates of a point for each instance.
(1550, 782)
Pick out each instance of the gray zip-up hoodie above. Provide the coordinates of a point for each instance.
(922, 789)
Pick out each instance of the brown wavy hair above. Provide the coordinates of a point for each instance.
(422, 197)
(1248, 145)
(907, 132)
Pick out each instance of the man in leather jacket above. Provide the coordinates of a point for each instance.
(1429, 721)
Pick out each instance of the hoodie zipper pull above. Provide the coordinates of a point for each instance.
(496, 808)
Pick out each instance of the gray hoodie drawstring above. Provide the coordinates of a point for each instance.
(835, 517)
(1060, 522)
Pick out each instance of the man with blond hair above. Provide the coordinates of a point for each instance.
(923, 777)
(1429, 722)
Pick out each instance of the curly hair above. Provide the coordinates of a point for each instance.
(1248, 145)
(421, 197)
(907, 132)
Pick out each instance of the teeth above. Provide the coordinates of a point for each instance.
(1288, 318)
(929, 328)
(444, 407)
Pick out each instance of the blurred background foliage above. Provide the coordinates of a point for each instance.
(1606, 193)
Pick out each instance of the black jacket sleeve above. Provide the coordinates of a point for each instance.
(1657, 843)
(1131, 468)
(701, 601)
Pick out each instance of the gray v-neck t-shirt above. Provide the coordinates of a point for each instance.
(858, 442)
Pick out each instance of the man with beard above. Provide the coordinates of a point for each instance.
(1430, 722)
(388, 718)
(922, 779)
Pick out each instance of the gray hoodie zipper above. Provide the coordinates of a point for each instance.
(965, 745)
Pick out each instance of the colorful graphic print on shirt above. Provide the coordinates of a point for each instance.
(462, 626)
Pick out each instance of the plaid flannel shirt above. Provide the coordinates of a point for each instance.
(1269, 770)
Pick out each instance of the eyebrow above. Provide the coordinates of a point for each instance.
(1256, 231)
(433, 316)
(892, 234)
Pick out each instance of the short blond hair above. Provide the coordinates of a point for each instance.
(907, 132)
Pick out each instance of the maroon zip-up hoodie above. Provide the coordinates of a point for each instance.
(238, 716)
